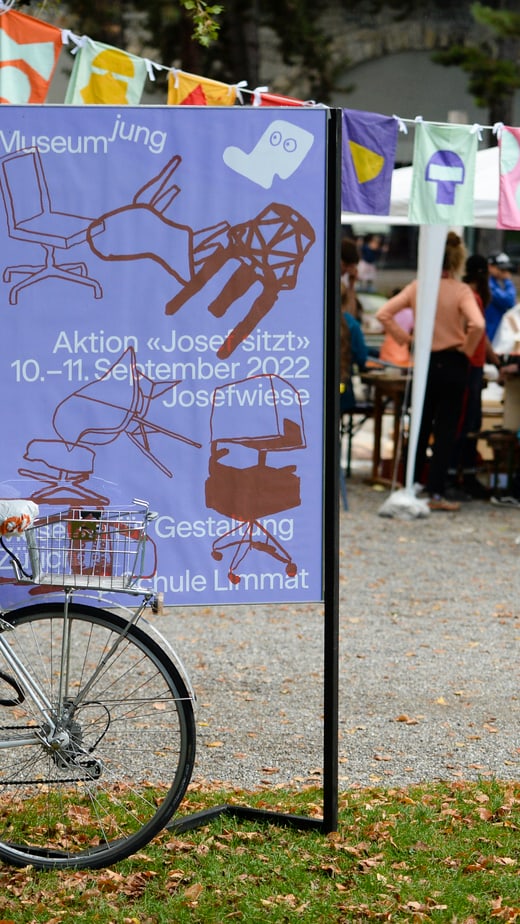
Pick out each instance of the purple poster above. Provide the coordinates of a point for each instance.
(162, 279)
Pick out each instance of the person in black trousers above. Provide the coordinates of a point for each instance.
(457, 329)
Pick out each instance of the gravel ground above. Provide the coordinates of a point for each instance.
(429, 678)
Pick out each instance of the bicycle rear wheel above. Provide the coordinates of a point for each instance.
(110, 777)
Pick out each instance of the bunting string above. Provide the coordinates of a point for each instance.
(258, 96)
(444, 153)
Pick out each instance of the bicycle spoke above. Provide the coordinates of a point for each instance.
(110, 775)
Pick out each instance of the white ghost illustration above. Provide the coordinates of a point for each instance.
(279, 152)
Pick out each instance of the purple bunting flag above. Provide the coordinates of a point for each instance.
(368, 157)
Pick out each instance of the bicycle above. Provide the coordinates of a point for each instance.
(97, 728)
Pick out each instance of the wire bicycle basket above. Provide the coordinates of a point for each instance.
(88, 547)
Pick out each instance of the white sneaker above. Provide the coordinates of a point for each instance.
(505, 501)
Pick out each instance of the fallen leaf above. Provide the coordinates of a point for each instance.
(407, 719)
(192, 892)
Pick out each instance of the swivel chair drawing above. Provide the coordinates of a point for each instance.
(95, 415)
(255, 490)
(31, 218)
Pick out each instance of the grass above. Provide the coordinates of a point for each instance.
(445, 852)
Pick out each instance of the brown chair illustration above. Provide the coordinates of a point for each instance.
(253, 490)
(31, 218)
(66, 473)
(96, 415)
(143, 229)
(269, 249)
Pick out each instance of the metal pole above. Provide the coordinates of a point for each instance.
(331, 486)
(330, 525)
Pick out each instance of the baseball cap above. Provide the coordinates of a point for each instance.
(500, 260)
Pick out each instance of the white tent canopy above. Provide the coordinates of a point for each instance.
(429, 265)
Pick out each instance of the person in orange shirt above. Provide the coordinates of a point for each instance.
(390, 351)
(457, 330)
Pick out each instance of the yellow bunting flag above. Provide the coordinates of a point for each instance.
(190, 90)
(102, 74)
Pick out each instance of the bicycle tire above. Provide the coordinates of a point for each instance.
(130, 750)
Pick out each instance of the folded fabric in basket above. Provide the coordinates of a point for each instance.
(16, 515)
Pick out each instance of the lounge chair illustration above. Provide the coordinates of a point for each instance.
(96, 415)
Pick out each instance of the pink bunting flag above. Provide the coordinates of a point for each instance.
(509, 188)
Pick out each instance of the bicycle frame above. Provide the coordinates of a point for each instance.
(81, 677)
(52, 713)
(31, 688)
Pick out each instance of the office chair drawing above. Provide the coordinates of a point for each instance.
(267, 250)
(31, 218)
(96, 415)
(241, 483)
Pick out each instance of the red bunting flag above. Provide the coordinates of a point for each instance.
(274, 99)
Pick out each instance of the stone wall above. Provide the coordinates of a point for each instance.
(358, 37)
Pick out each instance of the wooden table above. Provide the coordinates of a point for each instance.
(386, 387)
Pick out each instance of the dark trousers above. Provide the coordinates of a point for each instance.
(464, 457)
(444, 395)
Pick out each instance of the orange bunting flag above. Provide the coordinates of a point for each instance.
(29, 52)
(189, 90)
